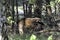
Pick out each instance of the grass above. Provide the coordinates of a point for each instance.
(26, 37)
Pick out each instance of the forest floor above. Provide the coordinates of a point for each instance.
(42, 36)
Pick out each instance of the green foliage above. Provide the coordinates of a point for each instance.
(50, 37)
(31, 1)
(27, 37)
(52, 3)
(33, 37)
(9, 20)
(57, 1)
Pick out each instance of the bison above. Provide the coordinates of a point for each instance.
(32, 24)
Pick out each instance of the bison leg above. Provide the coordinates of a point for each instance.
(21, 27)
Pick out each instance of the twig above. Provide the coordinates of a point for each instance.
(44, 31)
